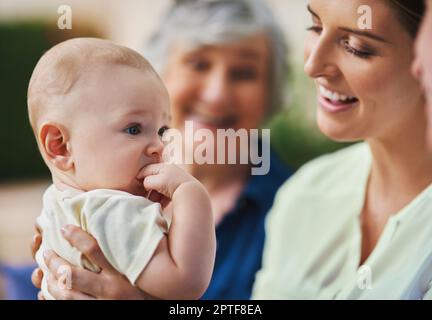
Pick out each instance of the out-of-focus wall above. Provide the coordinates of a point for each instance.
(129, 22)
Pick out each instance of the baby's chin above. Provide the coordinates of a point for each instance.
(137, 191)
(140, 193)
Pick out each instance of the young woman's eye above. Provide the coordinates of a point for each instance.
(162, 130)
(358, 53)
(133, 130)
(315, 28)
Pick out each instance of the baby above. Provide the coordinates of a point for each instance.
(98, 111)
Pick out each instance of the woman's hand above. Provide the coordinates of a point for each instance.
(81, 283)
(37, 273)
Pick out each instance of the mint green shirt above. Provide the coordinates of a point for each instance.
(313, 244)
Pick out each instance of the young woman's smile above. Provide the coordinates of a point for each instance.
(334, 101)
(364, 85)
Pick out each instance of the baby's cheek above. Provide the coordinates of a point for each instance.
(119, 172)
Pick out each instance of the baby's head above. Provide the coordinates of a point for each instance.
(98, 111)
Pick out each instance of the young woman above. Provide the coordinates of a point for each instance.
(357, 224)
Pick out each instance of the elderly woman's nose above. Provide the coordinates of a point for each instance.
(216, 89)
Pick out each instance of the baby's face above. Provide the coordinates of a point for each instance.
(116, 130)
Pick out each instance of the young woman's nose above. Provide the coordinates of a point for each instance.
(216, 91)
(319, 60)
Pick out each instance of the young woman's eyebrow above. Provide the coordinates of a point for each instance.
(312, 12)
(363, 33)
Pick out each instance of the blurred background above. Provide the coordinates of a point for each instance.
(29, 28)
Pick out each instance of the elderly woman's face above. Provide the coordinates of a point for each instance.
(363, 76)
(223, 86)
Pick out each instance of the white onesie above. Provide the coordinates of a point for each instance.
(127, 228)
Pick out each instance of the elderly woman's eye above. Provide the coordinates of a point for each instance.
(244, 74)
(133, 130)
(198, 64)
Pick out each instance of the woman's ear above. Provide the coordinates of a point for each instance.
(55, 146)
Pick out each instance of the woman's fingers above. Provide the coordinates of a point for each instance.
(54, 263)
(36, 277)
(66, 276)
(88, 282)
(40, 296)
(61, 292)
(64, 280)
(70, 283)
(35, 244)
(87, 245)
(36, 241)
(158, 197)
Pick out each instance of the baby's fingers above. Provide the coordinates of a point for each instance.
(158, 184)
(151, 169)
(158, 197)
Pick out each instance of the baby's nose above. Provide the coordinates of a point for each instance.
(155, 151)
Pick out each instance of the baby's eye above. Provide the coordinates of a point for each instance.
(162, 130)
(133, 130)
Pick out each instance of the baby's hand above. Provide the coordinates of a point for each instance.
(164, 179)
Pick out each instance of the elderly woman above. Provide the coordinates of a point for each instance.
(357, 224)
(223, 63)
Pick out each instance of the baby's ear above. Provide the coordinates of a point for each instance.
(55, 147)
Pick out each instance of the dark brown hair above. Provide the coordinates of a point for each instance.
(410, 13)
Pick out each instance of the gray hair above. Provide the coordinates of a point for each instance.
(210, 22)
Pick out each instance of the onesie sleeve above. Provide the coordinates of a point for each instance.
(127, 228)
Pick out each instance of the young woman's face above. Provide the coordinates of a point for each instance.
(365, 87)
